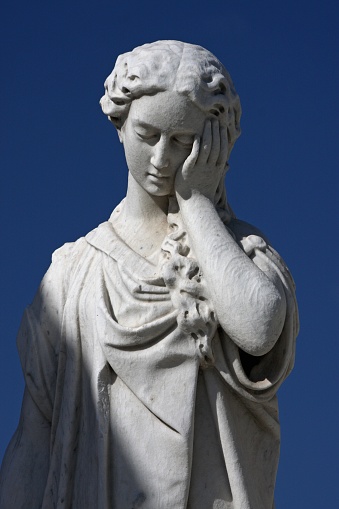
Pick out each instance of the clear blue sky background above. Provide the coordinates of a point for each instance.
(63, 171)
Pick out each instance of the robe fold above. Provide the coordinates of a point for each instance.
(134, 421)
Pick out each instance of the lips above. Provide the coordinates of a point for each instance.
(158, 176)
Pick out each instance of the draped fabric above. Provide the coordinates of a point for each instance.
(135, 423)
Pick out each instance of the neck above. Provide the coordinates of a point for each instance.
(139, 204)
(142, 222)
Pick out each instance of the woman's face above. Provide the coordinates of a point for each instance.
(158, 136)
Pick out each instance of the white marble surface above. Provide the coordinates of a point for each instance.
(154, 348)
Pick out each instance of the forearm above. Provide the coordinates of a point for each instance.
(249, 306)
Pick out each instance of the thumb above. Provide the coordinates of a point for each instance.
(192, 158)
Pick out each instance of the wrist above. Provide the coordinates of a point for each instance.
(196, 201)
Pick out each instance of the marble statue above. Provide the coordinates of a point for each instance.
(154, 348)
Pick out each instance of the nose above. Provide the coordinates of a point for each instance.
(160, 156)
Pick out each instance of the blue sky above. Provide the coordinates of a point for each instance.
(63, 171)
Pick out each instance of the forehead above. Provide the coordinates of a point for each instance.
(167, 111)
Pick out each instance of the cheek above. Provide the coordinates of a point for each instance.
(142, 151)
(182, 154)
(137, 156)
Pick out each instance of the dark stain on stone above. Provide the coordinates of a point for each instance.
(138, 502)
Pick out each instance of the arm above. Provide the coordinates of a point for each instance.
(250, 305)
(26, 464)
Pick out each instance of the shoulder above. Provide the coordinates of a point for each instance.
(55, 282)
(242, 229)
(67, 259)
(248, 237)
(70, 253)
(55, 285)
(258, 247)
(64, 261)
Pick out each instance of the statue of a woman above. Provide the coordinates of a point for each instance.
(155, 345)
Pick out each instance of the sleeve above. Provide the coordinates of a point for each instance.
(26, 463)
(259, 377)
(38, 340)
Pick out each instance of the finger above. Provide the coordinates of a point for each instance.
(192, 158)
(215, 149)
(223, 155)
(220, 195)
(206, 143)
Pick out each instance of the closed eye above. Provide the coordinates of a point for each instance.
(148, 136)
(145, 135)
(184, 141)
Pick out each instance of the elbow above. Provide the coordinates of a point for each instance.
(257, 319)
(269, 321)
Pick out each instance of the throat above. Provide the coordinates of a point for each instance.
(143, 234)
(141, 221)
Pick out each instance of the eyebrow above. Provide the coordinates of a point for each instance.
(141, 123)
(145, 125)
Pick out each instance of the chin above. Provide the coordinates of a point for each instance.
(155, 190)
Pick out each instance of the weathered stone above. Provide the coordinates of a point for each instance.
(155, 345)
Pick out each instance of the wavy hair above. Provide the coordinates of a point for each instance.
(173, 66)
